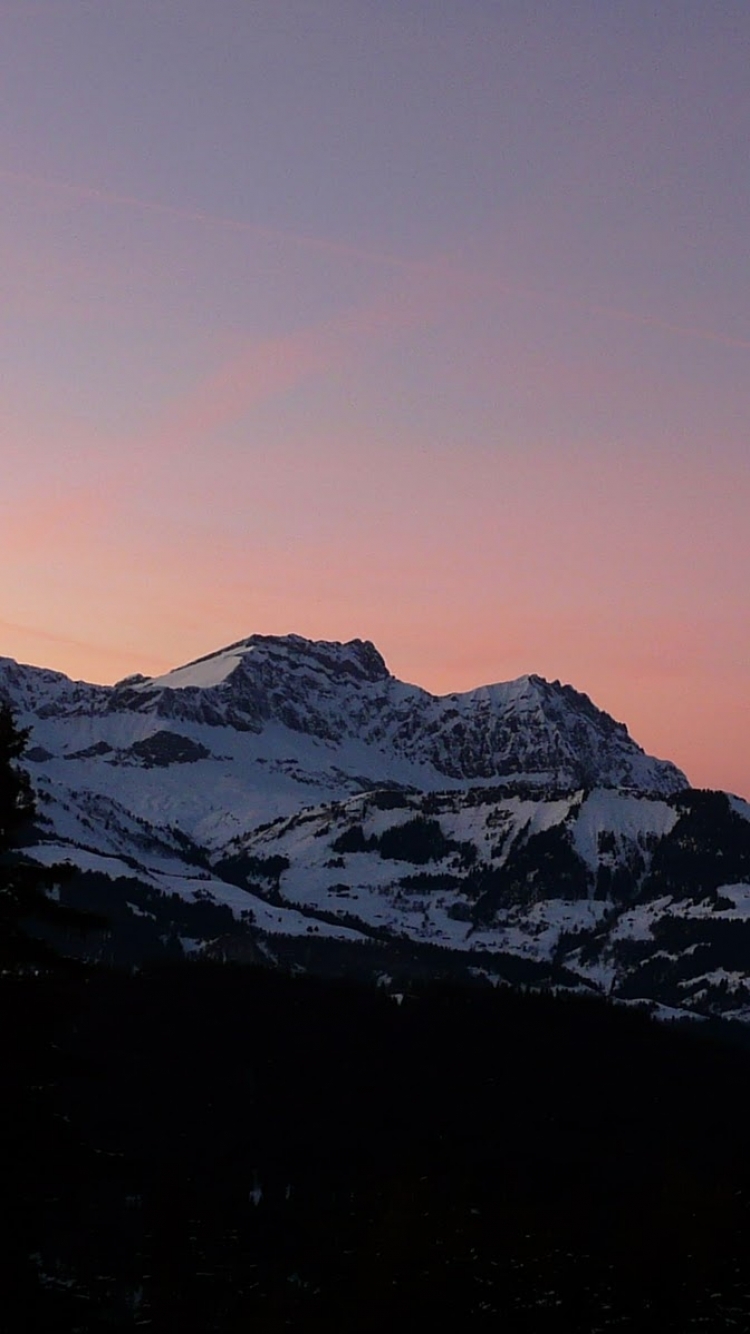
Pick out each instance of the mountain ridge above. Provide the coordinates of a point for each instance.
(284, 798)
(329, 690)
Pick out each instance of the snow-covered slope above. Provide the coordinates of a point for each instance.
(641, 897)
(273, 723)
(284, 788)
(337, 693)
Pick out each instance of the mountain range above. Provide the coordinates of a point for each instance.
(290, 801)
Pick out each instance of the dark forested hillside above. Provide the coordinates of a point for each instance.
(202, 1147)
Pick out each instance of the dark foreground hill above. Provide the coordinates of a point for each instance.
(228, 1149)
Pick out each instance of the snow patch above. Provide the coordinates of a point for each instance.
(201, 675)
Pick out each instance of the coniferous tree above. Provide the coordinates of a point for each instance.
(25, 886)
(16, 797)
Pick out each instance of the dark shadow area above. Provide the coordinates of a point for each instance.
(223, 1148)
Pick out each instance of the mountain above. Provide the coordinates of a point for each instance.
(331, 717)
(291, 800)
(632, 895)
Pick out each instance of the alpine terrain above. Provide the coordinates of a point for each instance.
(290, 801)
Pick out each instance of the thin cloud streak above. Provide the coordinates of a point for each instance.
(617, 314)
(340, 249)
(685, 331)
(66, 641)
(265, 368)
(79, 514)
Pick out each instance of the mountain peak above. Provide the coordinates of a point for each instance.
(339, 698)
(355, 658)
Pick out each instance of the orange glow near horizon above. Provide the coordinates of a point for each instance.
(290, 343)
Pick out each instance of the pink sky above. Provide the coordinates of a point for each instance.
(427, 325)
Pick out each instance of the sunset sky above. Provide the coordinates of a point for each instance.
(423, 321)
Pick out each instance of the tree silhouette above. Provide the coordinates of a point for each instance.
(25, 886)
(16, 797)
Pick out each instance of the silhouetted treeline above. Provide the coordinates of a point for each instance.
(201, 1147)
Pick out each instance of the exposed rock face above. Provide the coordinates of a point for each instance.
(639, 897)
(164, 748)
(335, 693)
(284, 791)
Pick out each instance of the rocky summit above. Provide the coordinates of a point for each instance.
(291, 801)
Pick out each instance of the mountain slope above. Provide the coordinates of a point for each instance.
(273, 723)
(283, 790)
(640, 897)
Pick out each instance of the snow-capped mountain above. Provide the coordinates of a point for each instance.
(637, 896)
(283, 788)
(272, 724)
(295, 720)
(343, 693)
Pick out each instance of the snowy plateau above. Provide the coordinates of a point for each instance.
(289, 801)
